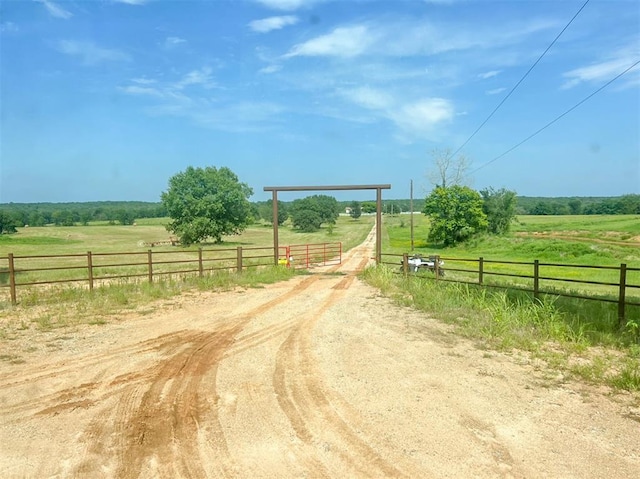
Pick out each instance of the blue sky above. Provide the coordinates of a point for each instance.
(107, 99)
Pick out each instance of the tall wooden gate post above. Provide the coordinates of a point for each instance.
(378, 225)
(276, 251)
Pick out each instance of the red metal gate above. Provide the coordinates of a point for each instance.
(309, 255)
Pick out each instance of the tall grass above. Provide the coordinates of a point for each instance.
(64, 306)
(548, 328)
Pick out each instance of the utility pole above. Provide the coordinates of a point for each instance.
(411, 206)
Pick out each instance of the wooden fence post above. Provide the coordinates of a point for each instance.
(405, 263)
(12, 279)
(622, 294)
(436, 266)
(480, 270)
(239, 260)
(200, 266)
(150, 262)
(536, 279)
(90, 269)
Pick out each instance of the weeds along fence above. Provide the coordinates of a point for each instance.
(94, 269)
(610, 284)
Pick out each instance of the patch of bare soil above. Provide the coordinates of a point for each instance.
(318, 376)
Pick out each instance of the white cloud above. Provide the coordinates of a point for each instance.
(270, 69)
(144, 81)
(413, 118)
(272, 23)
(173, 99)
(341, 42)
(287, 5)
(200, 77)
(603, 71)
(369, 98)
(171, 42)
(422, 116)
(495, 91)
(490, 74)
(132, 2)
(56, 10)
(140, 90)
(89, 53)
(415, 37)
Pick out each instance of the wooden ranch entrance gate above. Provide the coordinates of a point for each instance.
(378, 188)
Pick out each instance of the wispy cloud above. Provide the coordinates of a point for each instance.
(266, 25)
(341, 42)
(56, 10)
(132, 2)
(171, 42)
(189, 97)
(415, 118)
(368, 97)
(605, 70)
(415, 37)
(287, 5)
(144, 81)
(490, 74)
(270, 69)
(202, 77)
(495, 91)
(89, 53)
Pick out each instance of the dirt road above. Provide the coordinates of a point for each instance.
(314, 377)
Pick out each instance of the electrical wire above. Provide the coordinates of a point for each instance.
(556, 118)
(521, 80)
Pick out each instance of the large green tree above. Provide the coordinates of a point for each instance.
(308, 214)
(455, 213)
(500, 208)
(266, 211)
(7, 223)
(356, 210)
(206, 203)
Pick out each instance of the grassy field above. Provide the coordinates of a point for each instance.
(104, 238)
(584, 241)
(113, 246)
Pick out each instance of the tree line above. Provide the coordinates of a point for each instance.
(219, 190)
(13, 215)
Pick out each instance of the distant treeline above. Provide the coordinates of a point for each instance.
(618, 205)
(126, 212)
(70, 214)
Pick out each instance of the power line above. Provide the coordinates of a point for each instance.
(521, 79)
(557, 118)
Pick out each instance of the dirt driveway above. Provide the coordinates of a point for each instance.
(314, 377)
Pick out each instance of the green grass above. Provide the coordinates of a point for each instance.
(68, 306)
(568, 341)
(539, 244)
(112, 239)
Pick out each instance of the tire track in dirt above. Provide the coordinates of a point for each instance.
(320, 418)
(310, 406)
(158, 418)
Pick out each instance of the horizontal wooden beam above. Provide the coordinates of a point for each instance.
(327, 188)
